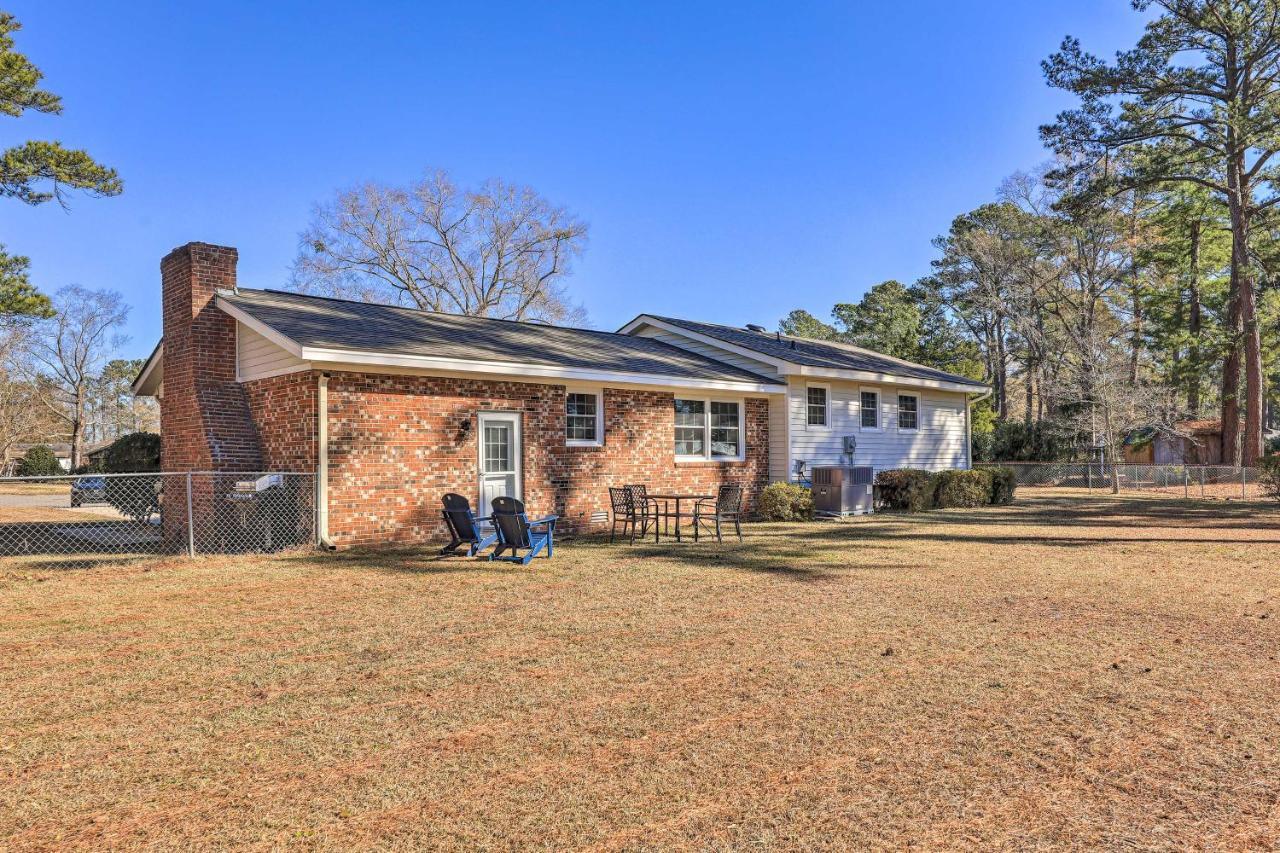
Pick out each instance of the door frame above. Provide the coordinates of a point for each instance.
(517, 456)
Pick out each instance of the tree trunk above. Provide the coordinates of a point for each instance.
(1029, 376)
(77, 434)
(1194, 323)
(1251, 440)
(1235, 323)
(1002, 377)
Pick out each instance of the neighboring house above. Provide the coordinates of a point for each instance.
(900, 414)
(12, 456)
(394, 407)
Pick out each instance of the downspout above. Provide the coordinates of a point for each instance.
(322, 466)
(968, 420)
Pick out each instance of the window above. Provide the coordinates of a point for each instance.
(708, 429)
(816, 397)
(908, 411)
(583, 418)
(725, 430)
(691, 425)
(870, 407)
(497, 448)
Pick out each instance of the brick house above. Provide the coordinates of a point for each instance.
(392, 407)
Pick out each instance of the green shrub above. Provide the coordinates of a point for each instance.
(1269, 475)
(39, 461)
(137, 452)
(785, 502)
(134, 497)
(961, 488)
(1004, 481)
(907, 489)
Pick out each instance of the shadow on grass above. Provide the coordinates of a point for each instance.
(811, 552)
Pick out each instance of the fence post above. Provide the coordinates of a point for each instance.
(1089, 476)
(1201, 482)
(1244, 486)
(1186, 482)
(191, 522)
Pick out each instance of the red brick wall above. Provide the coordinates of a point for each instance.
(396, 443)
(285, 416)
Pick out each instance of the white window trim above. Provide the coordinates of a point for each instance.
(598, 441)
(706, 426)
(826, 415)
(898, 412)
(879, 427)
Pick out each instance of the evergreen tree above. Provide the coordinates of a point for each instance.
(36, 172)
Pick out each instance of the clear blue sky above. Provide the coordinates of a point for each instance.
(733, 160)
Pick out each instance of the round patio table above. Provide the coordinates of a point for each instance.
(676, 499)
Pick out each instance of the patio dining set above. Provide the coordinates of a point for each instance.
(636, 513)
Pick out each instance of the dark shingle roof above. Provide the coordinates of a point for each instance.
(339, 324)
(811, 353)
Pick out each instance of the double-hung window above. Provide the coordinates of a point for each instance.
(816, 404)
(584, 416)
(869, 408)
(908, 411)
(708, 429)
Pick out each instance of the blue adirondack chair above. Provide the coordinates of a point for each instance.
(516, 531)
(464, 527)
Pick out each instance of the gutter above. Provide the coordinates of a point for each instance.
(322, 467)
(968, 420)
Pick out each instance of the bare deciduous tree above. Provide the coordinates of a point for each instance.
(496, 251)
(67, 354)
(22, 417)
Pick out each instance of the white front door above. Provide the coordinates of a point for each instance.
(499, 457)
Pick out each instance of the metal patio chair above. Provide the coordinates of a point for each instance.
(727, 507)
(464, 527)
(516, 531)
(631, 509)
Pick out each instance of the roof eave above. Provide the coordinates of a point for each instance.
(888, 379)
(140, 385)
(322, 355)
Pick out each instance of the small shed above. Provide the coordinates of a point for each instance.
(1199, 442)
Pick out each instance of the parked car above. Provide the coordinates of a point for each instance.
(89, 490)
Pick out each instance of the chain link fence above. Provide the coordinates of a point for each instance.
(1204, 482)
(80, 521)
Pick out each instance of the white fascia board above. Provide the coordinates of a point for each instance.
(886, 379)
(287, 344)
(746, 352)
(139, 385)
(518, 372)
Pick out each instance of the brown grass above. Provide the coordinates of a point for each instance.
(36, 487)
(1061, 673)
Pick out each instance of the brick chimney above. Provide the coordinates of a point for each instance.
(205, 423)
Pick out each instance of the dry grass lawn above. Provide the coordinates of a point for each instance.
(1062, 673)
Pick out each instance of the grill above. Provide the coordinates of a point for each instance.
(843, 489)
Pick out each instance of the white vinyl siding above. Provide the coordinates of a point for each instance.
(938, 442)
(257, 357)
(779, 440)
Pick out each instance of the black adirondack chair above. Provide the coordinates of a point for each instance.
(516, 532)
(464, 527)
(726, 508)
